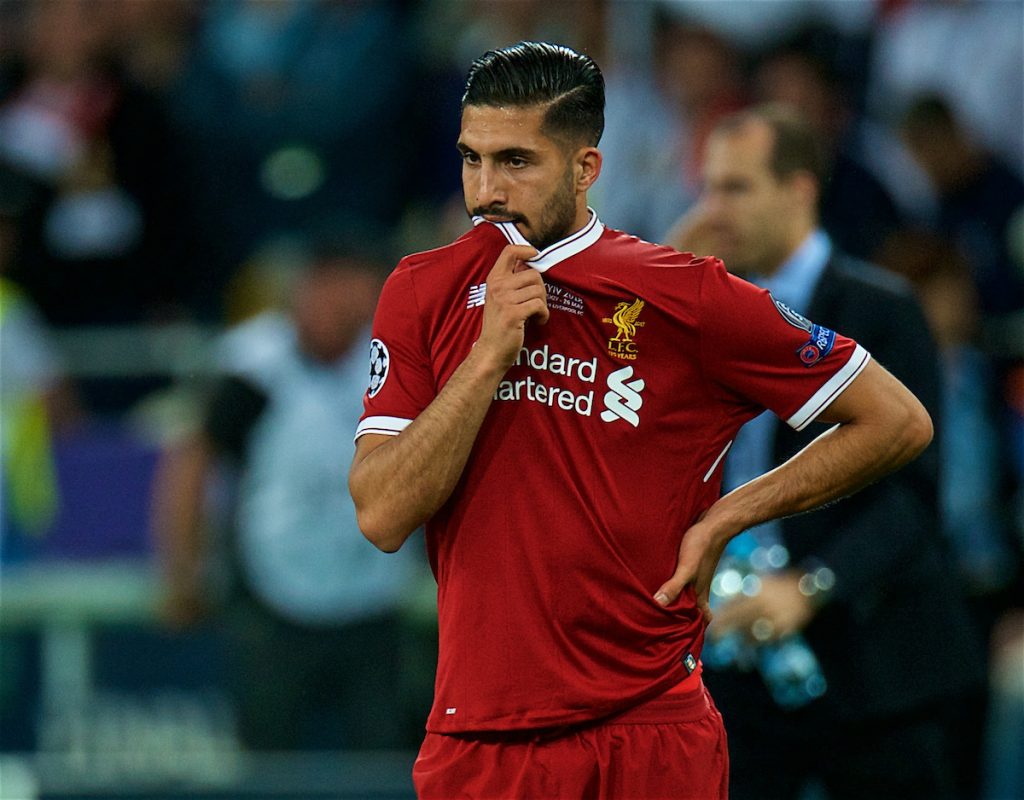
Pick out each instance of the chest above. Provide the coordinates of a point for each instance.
(611, 355)
(305, 432)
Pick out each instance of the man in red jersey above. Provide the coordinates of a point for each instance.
(554, 399)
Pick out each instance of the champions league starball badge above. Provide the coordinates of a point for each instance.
(822, 339)
(794, 319)
(380, 361)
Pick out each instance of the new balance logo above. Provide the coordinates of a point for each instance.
(477, 295)
(623, 399)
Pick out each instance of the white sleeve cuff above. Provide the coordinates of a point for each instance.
(388, 426)
(833, 387)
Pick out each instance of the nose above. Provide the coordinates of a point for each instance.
(491, 190)
(711, 201)
(716, 208)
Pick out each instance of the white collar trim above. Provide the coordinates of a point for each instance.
(559, 251)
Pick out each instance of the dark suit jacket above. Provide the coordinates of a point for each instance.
(895, 635)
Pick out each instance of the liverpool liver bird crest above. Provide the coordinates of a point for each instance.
(625, 319)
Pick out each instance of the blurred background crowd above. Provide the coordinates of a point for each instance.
(198, 203)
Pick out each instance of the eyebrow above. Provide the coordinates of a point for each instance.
(508, 152)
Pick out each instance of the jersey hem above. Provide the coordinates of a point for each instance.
(553, 720)
(388, 426)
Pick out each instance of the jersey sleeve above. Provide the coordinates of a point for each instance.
(401, 383)
(757, 350)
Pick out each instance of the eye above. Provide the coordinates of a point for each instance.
(469, 157)
(736, 187)
(517, 162)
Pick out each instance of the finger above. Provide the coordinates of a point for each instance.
(705, 609)
(520, 280)
(670, 590)
(510, 258)
(524, 294)
(529, 302)
(542, 313)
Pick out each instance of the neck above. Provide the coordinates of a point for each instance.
(788, 247)
(582, 216)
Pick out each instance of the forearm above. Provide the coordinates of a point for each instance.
(881, 426)
(400, 484)
(178, 524)
(838, 463)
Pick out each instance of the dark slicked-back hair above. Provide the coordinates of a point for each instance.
(542, 74)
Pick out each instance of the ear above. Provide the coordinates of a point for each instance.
(586, 167)
(806, 188)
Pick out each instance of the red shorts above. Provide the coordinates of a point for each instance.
(670, 747)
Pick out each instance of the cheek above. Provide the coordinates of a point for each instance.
(563, 194)
(470, 182)
(526, 198)
(755, 214)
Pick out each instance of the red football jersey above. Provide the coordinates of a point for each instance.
(602, 446)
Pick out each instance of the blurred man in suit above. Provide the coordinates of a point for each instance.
(862, 587)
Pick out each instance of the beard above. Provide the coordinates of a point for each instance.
(554, 221)
(557, 216)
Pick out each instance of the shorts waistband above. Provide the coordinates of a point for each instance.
(666, 708)
(691, 683)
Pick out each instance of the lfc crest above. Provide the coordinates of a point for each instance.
(626, 320)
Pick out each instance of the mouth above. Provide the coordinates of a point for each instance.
(497, 216)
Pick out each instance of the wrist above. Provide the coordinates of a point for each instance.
(485, 363)
(723, 521)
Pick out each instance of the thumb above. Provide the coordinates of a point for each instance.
(673, 587)
(670, 590)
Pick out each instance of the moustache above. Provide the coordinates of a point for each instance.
(498, 211)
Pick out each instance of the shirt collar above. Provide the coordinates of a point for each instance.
(795, 281)
(559, 251)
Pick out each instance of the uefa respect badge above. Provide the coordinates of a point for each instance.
(818, 346)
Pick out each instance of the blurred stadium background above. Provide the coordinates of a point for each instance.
(168, 166)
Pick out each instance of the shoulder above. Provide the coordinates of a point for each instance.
(627, 249)
(234, 407)
(424, 280)
(256, 347)
(480, 241)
